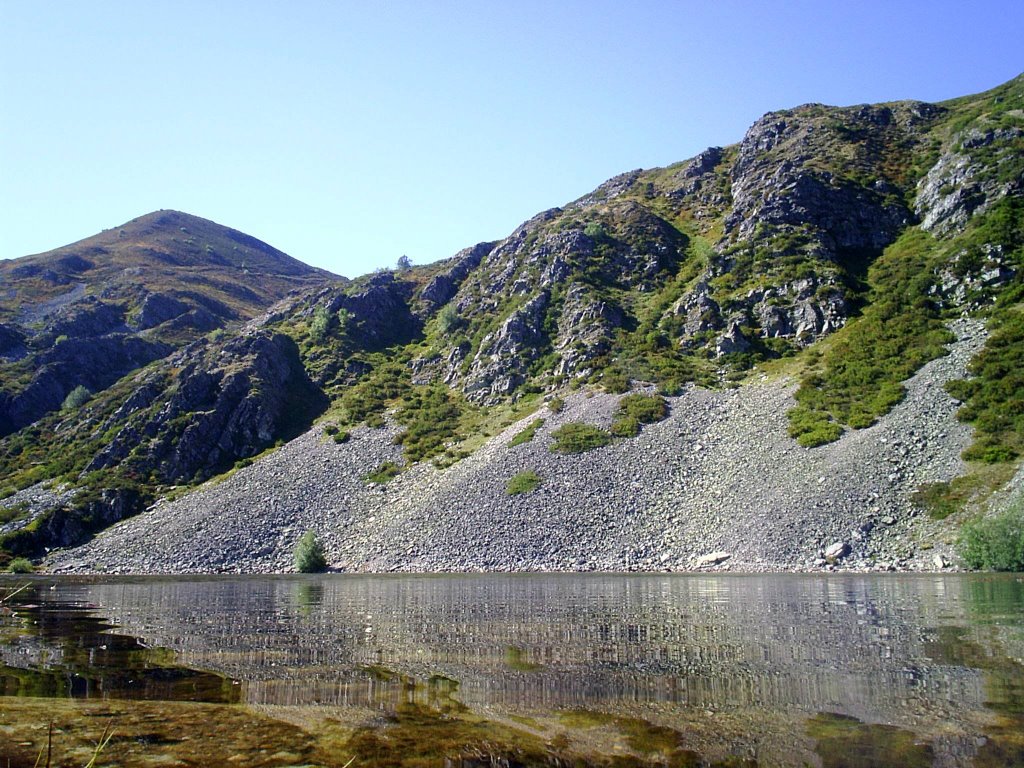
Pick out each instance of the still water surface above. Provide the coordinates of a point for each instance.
(506, 670)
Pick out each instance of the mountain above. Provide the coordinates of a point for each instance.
(744, 359)
(86, 314)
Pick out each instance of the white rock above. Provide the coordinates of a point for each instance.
(712, 558)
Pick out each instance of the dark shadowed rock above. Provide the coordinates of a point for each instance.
(158, 308)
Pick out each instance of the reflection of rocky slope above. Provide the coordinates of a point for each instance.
(855, 646)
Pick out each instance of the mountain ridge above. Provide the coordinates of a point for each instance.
(834, 244)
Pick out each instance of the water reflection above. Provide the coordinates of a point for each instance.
(915, 652)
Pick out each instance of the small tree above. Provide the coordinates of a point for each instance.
(320, 324)
(404, 263)
(76, 398)
(309, 554)
(448, 319)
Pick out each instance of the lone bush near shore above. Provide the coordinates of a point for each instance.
(21, 565)
(995, 543)
(576, 437)
(309, 554)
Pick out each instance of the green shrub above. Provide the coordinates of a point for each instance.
(812, 428)
(625, 426)
(384, 473)
(21, 565)
(448, 319)
(646, 409)
(556, 405)
(575, 437)
(524, 482)
(526, 435)
(937, 499)
(342, 436)
(615, 382)
(994, 399)
(431, 415)
(309, 554)
(320, 324)
(899, 331)
(995, 543)
(76, 398)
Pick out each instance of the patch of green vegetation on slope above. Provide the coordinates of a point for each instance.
(994, 396)
(900, 330)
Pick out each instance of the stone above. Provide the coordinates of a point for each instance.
(710, 559)
(837, 551)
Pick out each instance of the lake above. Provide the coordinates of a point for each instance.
(615, 670)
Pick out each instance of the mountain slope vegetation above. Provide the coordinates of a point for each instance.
(833, 244)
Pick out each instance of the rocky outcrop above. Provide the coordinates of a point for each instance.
(158, 308)
(442, 288)
(226, 404)
(967, 178)
(778, 183)
(701, 187)
(87, 318)
(379, 312)
(505, 355)
(585, 330)
(92, 363)
(12, 341)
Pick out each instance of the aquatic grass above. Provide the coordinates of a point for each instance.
(105, 737)
(846, 742)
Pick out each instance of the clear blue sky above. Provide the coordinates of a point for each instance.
(350, 133)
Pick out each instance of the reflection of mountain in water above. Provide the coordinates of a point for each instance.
(856, 645)
(58, 649)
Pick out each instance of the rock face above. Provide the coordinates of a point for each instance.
(442, 288)
(380, 312)
(12, 341)
(504, 357)
(966, 179)
(214, 414)
(158, 308)
(777, 184)
(94, 363)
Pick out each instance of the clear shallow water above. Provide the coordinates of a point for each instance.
(767, 670)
